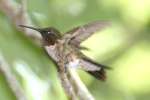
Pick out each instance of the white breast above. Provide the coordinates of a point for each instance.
(74, 63)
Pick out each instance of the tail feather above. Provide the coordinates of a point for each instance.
(98, 74)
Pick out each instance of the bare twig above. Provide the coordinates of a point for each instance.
(67, 86)
(81, 92)
(11, 79)
(19, 16)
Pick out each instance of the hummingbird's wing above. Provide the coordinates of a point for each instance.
(81, 33)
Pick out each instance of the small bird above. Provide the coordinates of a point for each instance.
(72, 39)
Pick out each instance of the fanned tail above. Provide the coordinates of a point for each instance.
(98, 74)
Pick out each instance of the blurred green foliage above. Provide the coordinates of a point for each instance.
(124, 46)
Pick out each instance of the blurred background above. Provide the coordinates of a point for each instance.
(124, 46)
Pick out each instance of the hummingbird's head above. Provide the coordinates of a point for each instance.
(50, 35)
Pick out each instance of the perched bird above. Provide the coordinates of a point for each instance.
(71, 46)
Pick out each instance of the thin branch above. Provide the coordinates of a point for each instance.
(81, 92)
(67, 86)
(11, 80)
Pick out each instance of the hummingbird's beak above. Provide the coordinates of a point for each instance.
(37, 29)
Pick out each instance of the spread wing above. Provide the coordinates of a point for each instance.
(81, 33)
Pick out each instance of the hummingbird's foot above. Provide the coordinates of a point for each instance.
(65, 69)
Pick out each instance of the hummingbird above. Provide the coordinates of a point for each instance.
(72, 39)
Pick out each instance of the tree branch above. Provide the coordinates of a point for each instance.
(81, 92)
(11, 79)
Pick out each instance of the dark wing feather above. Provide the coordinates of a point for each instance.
(81, 33)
